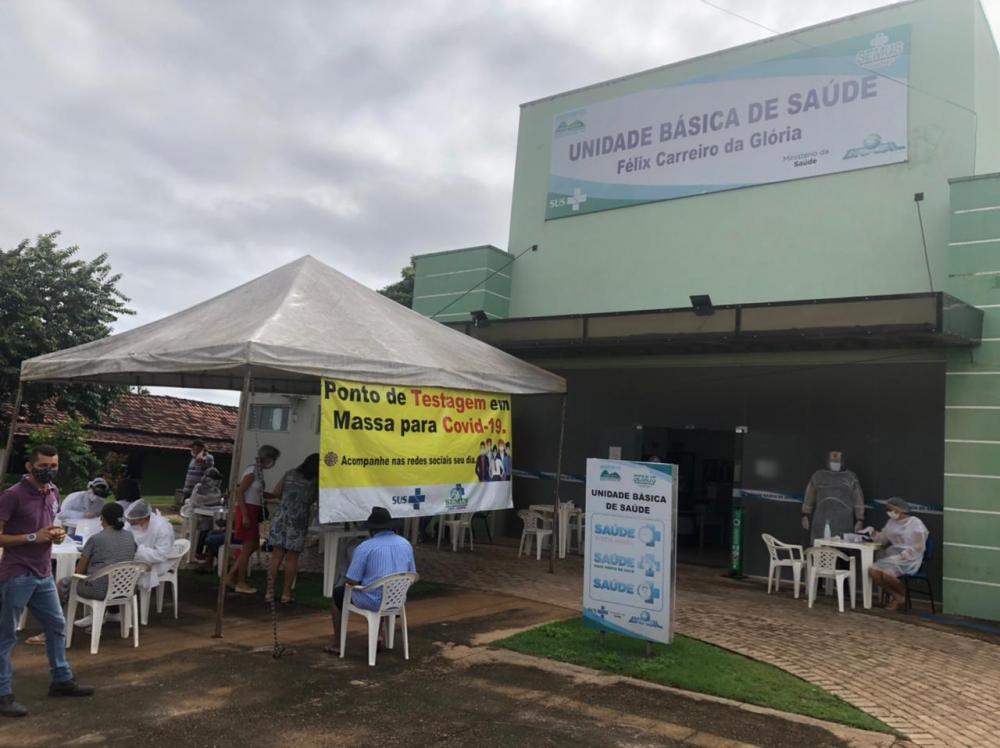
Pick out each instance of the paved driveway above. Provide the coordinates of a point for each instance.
(183, 688)
(937, 687)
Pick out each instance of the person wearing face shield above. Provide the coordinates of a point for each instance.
(249, 507)
(906, 539)
(86, 504)
(833, 496)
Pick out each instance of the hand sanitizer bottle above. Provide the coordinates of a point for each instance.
(826, 530)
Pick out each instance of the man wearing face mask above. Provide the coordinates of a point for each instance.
(27, 531)
(833, 496)
(906, 538)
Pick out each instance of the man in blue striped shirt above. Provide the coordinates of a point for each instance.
(383, 554)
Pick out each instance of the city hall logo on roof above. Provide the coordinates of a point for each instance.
(873, 144)
(571, 123)
(880, 53)
(610, 474)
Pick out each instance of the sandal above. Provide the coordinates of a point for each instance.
(244, 590)
(36, 639)
(332, 649)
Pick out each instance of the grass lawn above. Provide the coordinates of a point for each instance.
(308, 587)
(692, 665)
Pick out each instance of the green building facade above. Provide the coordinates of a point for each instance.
(853, 309)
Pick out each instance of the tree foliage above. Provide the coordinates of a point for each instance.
(50, 300)
(402, 290)
(77, 461)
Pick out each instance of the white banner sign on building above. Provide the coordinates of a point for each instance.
(628, 584)
(822, 110)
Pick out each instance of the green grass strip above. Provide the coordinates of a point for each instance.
(692, 665)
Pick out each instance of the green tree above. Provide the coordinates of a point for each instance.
(49, 300)
(402, 290)
(77, 461)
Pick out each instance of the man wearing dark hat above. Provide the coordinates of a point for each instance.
(383, 554)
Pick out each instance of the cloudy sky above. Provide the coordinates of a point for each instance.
(202, 144)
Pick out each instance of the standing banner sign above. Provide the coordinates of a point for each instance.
(628, 584)
(416, 451)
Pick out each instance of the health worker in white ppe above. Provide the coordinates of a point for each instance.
(906, 538)
(85, 504)
(833, 498)
(154, 538)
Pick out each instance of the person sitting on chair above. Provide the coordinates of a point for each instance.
(906, 538)
(383, 554)
(85, 504)
(112, 545)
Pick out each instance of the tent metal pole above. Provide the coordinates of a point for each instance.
(556, 532)
(234, 477)
(14, 414)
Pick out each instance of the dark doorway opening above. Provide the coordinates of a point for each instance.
(706, 461)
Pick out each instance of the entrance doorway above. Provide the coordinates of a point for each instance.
(706, 461)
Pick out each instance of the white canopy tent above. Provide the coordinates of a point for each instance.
(280, 333)
(302, 321)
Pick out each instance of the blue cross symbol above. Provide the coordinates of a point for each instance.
(602, 611)
(416, 499)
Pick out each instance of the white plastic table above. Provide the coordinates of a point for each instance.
(332, 535)
(65, 554)
(867, 551)
(566, 510)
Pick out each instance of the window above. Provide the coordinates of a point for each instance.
(269, 417)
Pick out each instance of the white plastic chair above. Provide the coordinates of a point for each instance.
(394, 588)
(181, 548)
(822, 562)
(533, 528)
(577, 523)
(121, 593)
(458, 526)
(794, 560)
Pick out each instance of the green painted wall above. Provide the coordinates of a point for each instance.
(444, 279)
(839, 235)
(971, 550)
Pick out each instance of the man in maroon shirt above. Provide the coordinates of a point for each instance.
(27, 532)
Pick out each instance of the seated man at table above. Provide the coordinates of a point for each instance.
(383, 554)
(112, 545)
(906, 538)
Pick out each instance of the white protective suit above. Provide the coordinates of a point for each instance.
(907, 539)
(154, 546)
(80, 504)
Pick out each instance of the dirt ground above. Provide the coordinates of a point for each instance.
(181, 687)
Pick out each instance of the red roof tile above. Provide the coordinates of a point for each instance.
(155, 421)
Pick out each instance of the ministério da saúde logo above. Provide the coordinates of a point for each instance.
(873, 145)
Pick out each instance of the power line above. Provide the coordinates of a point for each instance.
(532, 248)
(790, 36)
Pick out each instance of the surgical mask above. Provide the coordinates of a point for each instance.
(45, 475)
(835, 467)
(893, 515)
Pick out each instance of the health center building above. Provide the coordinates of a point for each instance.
(745, 260)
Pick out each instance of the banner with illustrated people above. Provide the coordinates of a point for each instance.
(414, 450)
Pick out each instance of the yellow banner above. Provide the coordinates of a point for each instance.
(415, 450)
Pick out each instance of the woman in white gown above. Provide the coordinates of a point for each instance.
(906, 539)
